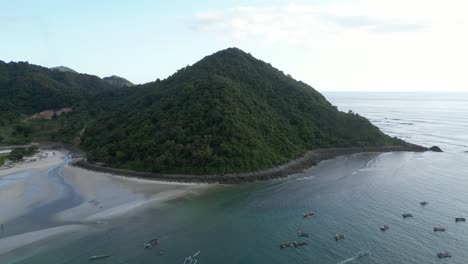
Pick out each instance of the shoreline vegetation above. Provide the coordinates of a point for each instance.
(309, 159)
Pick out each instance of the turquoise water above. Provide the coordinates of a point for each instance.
(352, 195)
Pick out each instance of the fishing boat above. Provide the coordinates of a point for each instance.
(192, 259)
(460, 219)
(308, 214)
(151, 243)
(293, 244)
(362, 254)
(407, 215)
(384, 228)
(98, 257)
(424, 203)
(339, 237)
(287, 244)
(439, 229)
(302, 234)
(299, 243)
(444, 255)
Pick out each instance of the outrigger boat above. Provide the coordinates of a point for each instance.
(151, 243)
(302, 234)
(407, 215)
(362, 254)
(424, 203)
(339, 237)
(192, 259)
(293, 244)
(98, 257)
(439, 229)
(305, 215)
(460, 219)
(384, 228)
(444, 255)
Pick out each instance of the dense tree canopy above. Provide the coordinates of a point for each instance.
(26, 89)
(227, 113)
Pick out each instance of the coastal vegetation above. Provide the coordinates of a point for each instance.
(227, 113)
(19, 153)
(27, 89)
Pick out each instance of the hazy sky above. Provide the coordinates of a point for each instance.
(367, 45)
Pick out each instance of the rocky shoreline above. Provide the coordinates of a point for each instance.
(309, 159)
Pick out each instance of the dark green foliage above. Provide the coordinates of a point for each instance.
(227, 113)
(2, 160)
(27, 89)
(19, 153)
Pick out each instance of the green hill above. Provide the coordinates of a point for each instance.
(117, 81)
(26, 89)
(228, 112)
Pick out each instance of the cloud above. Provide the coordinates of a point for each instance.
(296, 23)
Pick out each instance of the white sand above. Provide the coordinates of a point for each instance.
(104, 196)
(41, 161)
(107, 196)
(26, 185)
(18, 241)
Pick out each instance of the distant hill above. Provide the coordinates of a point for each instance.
(227, 113)
(27, 89)
(118, 81)
(63, 69)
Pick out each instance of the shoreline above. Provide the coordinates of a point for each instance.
(309, 159)
(50, 182)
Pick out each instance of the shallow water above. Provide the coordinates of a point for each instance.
(352, 195)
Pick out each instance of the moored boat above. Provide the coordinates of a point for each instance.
(151, 243)
(407, 215)
(308, 214)
(460, 219)
(439, 229)
(424, 203)
(192, 259)
(293, 244)
(98, 257)
(384, 228)
(444, 255)
(339, 237)
(302, 234)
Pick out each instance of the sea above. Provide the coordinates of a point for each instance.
(351, 195)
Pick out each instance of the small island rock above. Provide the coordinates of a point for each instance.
(435, 149)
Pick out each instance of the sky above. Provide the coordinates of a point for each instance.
(333, 45)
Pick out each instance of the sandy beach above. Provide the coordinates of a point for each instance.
(81, 197)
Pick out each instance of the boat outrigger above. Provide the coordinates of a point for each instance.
(362, 254)
(305, 215)
(192, 259)
(98, 257)
(460, 219)
(339, 237)
(407, 215)
(444, 255)
(151, 243)
(302, 234)
(293, 244)
(424, 203)
(384, 228)
(439, 229)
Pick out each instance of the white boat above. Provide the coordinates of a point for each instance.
(98, 257)
(151, 243)
(192, 259)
